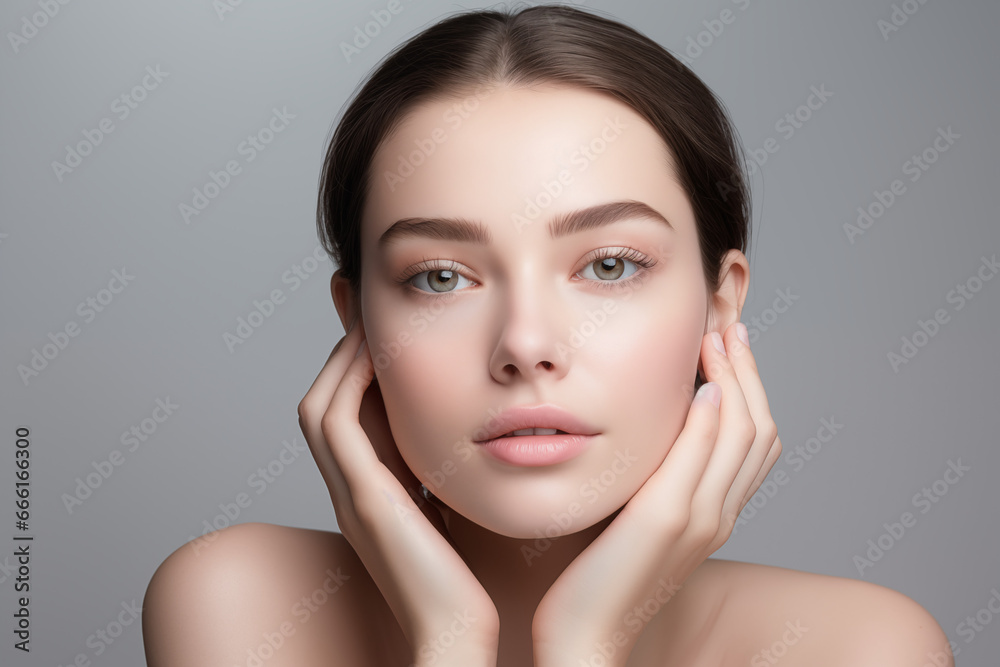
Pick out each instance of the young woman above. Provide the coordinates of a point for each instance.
(540, 220)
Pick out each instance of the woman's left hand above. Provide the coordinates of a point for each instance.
(683, 513)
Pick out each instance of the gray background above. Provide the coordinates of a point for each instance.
(825, 357)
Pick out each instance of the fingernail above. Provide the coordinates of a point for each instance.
(361, 349)
(741, 333)
(717, 341)
(710, 391)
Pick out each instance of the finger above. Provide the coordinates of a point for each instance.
(321, 392)
(374, 421)
(660, 511)
(736, 430)
(756, 464)
(773, 454)
(317, 400)
(342, 430)
(670, 489)
(745, 365)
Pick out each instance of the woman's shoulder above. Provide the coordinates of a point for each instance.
(770, 613)
(251, 592)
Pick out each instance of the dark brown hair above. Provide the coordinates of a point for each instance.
(542, 44)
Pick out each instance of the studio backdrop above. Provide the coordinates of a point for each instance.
(165, 301)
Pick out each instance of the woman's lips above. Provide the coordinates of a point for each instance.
(536, 450)
(552, 434)
(534, 431)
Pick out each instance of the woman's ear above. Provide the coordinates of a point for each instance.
(344, 299)
(726, 304)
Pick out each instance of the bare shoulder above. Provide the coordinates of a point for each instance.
(257, 593)
(802, 618)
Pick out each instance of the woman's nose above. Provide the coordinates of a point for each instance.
(533, 329)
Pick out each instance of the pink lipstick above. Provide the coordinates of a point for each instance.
(536, 436)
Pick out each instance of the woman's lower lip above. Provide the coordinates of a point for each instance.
(536, 450)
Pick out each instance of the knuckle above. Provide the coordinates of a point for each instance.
(310, 409)
(674, 522)
(705, 527)
(739, 351)
(349, 526)
(367, 510)
(328, 424)
(716, 368)
(706, 531)
(768, 430)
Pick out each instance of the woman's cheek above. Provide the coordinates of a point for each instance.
(661, 389)
(422, 404)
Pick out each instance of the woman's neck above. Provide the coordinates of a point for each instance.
(516, 573)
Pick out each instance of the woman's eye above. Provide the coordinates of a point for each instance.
(607, 269)
(437, 280)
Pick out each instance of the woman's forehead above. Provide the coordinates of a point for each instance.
(516, 151)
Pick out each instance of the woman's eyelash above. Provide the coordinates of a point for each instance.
(427, 265)
(643, 261)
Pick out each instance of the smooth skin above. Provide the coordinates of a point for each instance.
(436, 583)
(471, 578)
(407, 552)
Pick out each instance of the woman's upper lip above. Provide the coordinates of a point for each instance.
(536, 416)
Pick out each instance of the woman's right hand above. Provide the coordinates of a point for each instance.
(404, 547)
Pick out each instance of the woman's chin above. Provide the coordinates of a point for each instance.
(538, 525)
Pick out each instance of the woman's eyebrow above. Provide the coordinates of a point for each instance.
(474, 231)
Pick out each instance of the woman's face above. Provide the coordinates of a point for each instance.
(526, 318)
